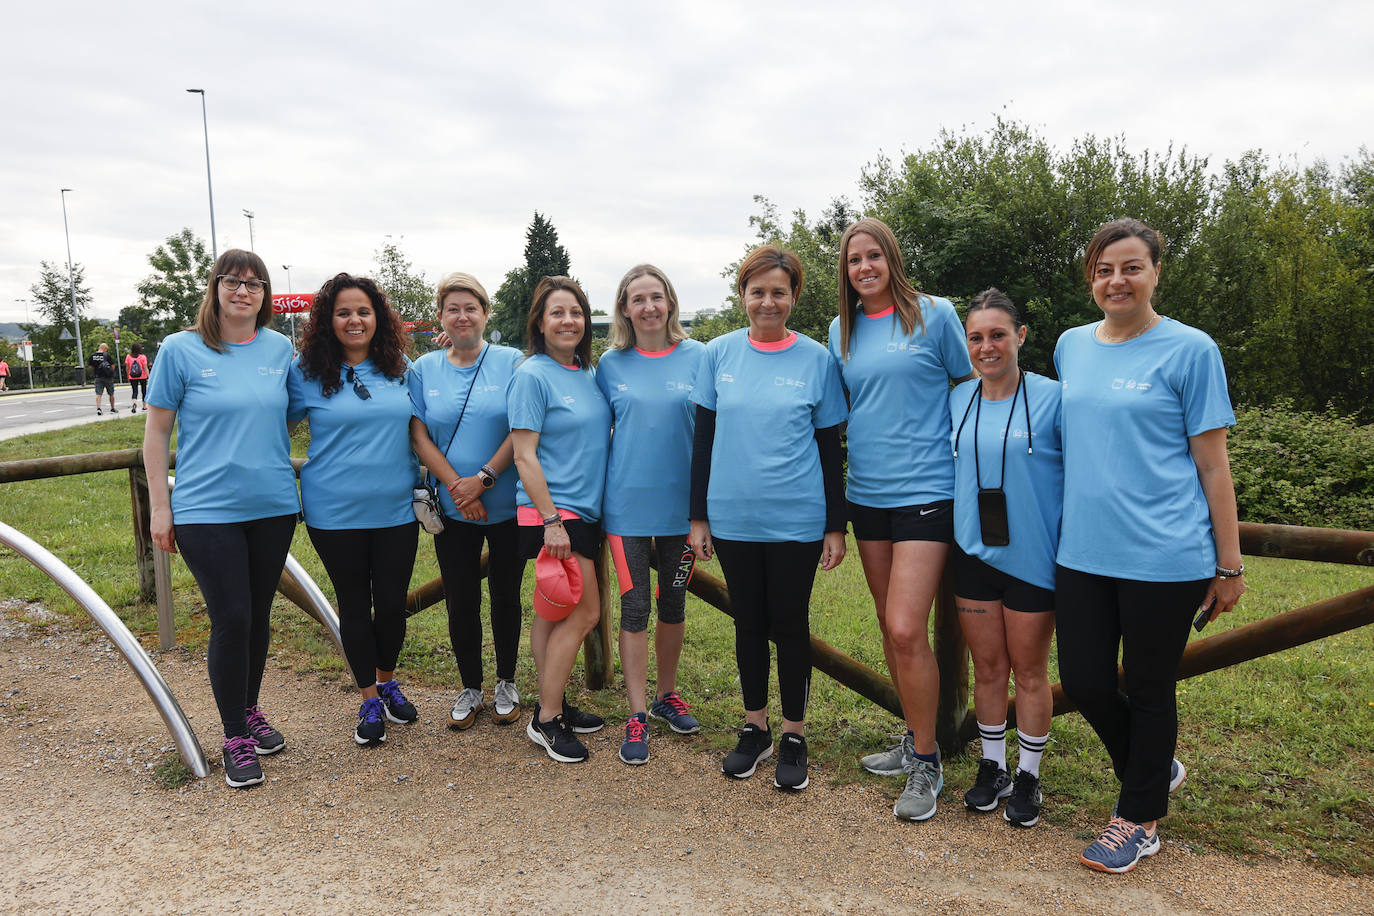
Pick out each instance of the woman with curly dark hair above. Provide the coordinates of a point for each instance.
(357, 479)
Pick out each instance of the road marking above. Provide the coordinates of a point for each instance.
(13, 416)
(53, 411)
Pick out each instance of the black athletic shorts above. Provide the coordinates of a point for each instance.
(585, 537)
(977, 581)
(931, 522)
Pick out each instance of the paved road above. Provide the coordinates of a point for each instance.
(21, 414)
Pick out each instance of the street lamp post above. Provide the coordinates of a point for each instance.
(290, 315)
(249, 214)
(71, 282)
(28, 356)
(205, 123)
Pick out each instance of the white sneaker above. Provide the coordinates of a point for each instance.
(505, 703)
(465, 708)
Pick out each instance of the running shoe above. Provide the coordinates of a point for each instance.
(992, 785)
(755, 744)
(634, 750)
(266, 739)
(1023, 807)
(241, 767)
(672, 708)
(398, 708)
(580, 720)
(98, 413)
(465, 708)
(371, 723)
(1122, 845)
(557, 739)
(924, 780)
(892, 761)
(1177, 774)
(505, 703)
(792, 772)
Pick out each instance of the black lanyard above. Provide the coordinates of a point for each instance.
(1024, 391)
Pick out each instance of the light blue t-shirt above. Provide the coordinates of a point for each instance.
(359, 470)
(1034, 481)
(1133, 504)
(648, 478)
(898, 388)
(233, 453)
(438, 390)
(573, 420)
(766, 482)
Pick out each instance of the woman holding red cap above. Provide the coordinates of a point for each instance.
(561, 431)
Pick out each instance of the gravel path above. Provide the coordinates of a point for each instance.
(438, 821)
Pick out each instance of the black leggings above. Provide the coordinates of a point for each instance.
(770, 594)
(134, 384)
(459, 551)
(370, 569)
(237, 566)
(1094, 615)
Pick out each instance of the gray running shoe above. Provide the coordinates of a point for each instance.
(465, 708)
(892, 761)
(505, 705)
(923, 782)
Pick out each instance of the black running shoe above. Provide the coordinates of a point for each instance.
(266, 739)
(1023, 807)
(792, 770)
(992, 785)
(755, 744)
(371, 723)
(394, 703)
(557, 739)
(580, 720)
(241, 767)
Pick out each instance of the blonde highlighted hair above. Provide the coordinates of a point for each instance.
(905, 296)
(623, 330)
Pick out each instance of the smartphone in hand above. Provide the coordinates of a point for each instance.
(1204, 615)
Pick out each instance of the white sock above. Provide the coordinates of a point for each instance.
(1032, 749)
(994, 742)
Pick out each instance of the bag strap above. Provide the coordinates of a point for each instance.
(430, 479)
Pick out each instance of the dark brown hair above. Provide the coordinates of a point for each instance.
(994, 298)
(905, 296)
(322, 354)
(1115, 231)
(233, 262)
(535, 334)
(771, 257)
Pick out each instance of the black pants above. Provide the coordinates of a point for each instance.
(1094, 615)
(770, 594)
(459, 551)
(135, 384)
(370, 569)
(237, 567)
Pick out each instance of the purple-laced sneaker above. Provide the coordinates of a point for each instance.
(266, 739)
(398, 708)
(241, 767)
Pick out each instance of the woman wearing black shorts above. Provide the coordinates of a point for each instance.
(1008, 492)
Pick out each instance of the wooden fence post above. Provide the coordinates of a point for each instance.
(596, 649)
(144, 548)
(951, 659)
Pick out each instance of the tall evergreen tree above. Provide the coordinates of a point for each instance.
(544, 257)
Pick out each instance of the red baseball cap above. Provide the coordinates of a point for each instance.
(557, 586)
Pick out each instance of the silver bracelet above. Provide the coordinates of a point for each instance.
(1224, 573)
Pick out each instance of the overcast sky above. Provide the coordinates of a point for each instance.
(641, 130)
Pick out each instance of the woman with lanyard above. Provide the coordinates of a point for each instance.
(766, 496)
(222, 384)
(458, 397)
(646, 377)
(349, 381)
(1150, 540)
(561, 430)
(1009, 488)
(897, 351)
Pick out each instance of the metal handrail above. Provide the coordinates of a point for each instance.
(144, 669)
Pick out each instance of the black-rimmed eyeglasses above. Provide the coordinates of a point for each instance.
(358, 387)
(230, 284)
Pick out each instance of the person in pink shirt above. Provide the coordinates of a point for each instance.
(136, 371)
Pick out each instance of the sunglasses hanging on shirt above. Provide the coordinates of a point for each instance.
(358, 387)
(992, 501)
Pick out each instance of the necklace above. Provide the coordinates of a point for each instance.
(1108, 338)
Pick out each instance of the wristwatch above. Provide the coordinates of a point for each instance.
(487, 476)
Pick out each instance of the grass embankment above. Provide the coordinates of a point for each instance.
(1278, 749)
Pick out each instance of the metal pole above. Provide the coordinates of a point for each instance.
(205, 123)
(291, 316)
(249, 214)
(71, 282)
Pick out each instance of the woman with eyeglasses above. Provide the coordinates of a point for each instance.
(233, 510)
(1008, 495)
(349, 382)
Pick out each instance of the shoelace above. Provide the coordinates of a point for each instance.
(392, 692)
(790, 752)
(372, 710)
(987, 772)
(257, 722)
(675, 700)
(1117, 834)
(634, 730)
(240, 751)
(1023, 786)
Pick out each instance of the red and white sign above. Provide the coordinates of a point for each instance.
(286, 303)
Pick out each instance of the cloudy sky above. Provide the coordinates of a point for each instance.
(641, 130)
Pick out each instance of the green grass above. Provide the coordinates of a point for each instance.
(1280, 750)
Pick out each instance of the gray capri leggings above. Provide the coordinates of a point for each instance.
(675, 565)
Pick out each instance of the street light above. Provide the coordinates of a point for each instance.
(28, 356)
(71, 282)
(290, 315)
(205, 123)
(249, 214)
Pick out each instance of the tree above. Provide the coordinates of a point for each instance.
(139, 320)
(52, 294)
(544, 257)
(410, 293)
(173, 292)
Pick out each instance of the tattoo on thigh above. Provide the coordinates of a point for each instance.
(969, 610)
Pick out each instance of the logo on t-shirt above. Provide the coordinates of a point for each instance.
(569, 399)
(725, 377)
(789, 382)
(1119, 384)
(270, 370)
(678, 386)
(902, 346)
